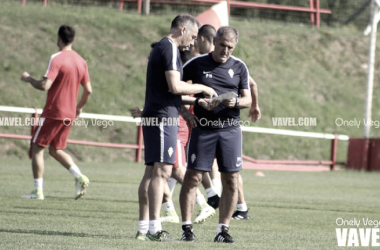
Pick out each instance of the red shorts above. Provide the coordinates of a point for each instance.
(180, 155)
(52, 132)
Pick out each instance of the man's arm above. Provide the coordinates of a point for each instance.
(87, 91)
(43, 84)
(254, 111)
(178, 87)
(244, 101)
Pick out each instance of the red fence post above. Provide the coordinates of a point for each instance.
(334, 143)
(23, 2)
(312, 15)
(317, 14)
(139, 3)
(45, 3)
(121, 4)
(33, 129)
(139, 142)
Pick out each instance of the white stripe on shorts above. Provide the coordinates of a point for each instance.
(162, 142)
(39, 129)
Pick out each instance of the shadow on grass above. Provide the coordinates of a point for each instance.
(41, 232)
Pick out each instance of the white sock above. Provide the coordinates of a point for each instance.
(242, 207)
(38, 183)
(217, 183)
(154, 226)
(171, 183)
(75, 171)
(211, 192)
(186, 223)
(168, 205)
(143, 226)
(200, 200)
(219, 228)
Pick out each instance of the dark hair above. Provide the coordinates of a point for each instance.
(208, 32)
(66, 33)
(227, 30)
(184, 20)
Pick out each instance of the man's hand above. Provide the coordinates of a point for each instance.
(254, 113)
(25, 77)
(190, 119)
(230, 103)
(209, 92)
(78, 112)
(136, 112)
(206, 104)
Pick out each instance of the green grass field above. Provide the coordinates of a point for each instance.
(289, 210)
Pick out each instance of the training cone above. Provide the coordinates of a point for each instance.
(216, 16)
(260, 174)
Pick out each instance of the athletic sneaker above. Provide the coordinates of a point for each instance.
(162, 236)
(240, 215)
(170, 216)
(35, 194)
(81, 183)
(223, 236)
(205, 212)
(187, 233)
(140, 236)
(213, 201)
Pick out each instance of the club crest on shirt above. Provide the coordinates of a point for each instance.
(193, 157)
(170, 151)
(231, 73)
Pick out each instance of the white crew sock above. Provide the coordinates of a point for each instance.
(75, 171)
(211, 192)
(200, 200)
(154, 226)
(168, 205)
(242, 207)
(219, 228)
(143, 226)
(38, 183)
(217, 183)
(171, 183)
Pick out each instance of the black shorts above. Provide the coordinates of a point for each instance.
(160, 144)
(225, 144)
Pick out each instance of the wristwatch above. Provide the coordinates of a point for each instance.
(237, 102)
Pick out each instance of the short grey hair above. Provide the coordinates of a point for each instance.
(185, 20)
(227, 30)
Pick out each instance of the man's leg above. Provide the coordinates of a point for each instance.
(161, 173)
(187, 199)
(216, 178)
(170, 215)
(81, 181)
(227, 204)
(144, 204)
(241, 212)
(213, 197)
(38, 169)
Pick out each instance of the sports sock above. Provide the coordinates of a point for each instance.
(200, 200)
(154, 226)
(219, 228)
(75, 171)
(217, 183)
(143, 226)
(242, 207)
(168, 205)
(186, 223)
(211, 192)
(171, 183)
(38, 183)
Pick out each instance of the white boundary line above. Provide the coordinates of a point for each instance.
(136, 120)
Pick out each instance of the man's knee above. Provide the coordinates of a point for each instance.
(52, 151)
